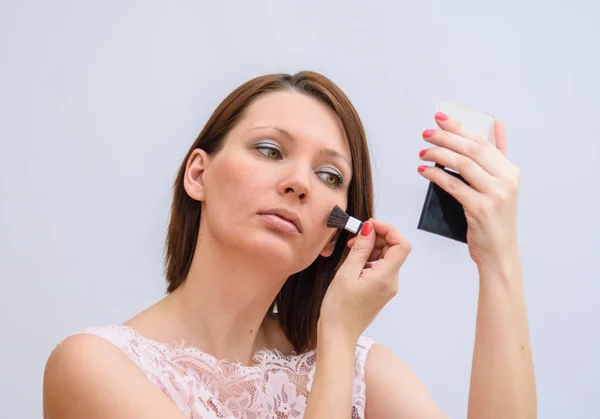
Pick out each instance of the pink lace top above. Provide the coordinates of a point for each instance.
(203, 387)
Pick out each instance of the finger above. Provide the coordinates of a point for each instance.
(382, 280)
(394, 258)
(386, 236)
(474, 174)
(360, 251)
(500, 136)
(397, 246)
(376, 254)
(456, 127)
(378, 250)
(379, 241)
(478, 149)
(388, 232)
(451, 184)
(389, 266)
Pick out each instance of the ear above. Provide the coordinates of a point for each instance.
(330, 246)
(193, 179)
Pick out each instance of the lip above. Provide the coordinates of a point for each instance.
(285, 214)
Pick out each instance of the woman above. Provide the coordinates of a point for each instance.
(248, 234)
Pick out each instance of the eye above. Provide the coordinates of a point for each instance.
(269, 150)
(331, 179)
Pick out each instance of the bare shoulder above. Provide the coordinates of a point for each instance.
(87, 376)
(394, 390)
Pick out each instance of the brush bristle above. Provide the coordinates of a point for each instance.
(338, 218)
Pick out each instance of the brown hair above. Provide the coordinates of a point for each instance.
(299, 301)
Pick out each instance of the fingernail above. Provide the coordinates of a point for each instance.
(441, 116)
(421, 169)
(428, 133)
(422, 153)
(366, 229)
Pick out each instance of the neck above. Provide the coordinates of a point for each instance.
(223, 302)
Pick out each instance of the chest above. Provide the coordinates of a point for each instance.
(276, 386)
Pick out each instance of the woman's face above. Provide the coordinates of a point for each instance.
(288, 157)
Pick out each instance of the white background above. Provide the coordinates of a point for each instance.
(99, 101)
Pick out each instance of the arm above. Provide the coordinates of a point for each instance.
(502, 377)
(87, 377)
(394, 390)
(357, 293)
(331, 392)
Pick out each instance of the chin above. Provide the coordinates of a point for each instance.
(276, 250)
(265, 245)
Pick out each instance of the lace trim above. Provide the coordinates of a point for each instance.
(177, 349)
(203, 386)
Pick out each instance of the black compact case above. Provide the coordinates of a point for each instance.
(442, 214)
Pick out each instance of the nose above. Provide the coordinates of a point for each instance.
(296, 182)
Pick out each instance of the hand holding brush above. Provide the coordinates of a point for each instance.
(361, 287)
(357, 293)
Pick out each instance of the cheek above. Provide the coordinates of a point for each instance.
(237, 182)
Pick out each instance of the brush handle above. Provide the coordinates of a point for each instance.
(353, 225)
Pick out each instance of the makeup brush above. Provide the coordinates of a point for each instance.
(339, 219)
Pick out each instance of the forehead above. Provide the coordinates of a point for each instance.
(304, 117)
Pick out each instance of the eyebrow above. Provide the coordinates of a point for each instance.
(326, 151)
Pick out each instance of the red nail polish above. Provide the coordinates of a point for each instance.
(422, 153)
(441, 116)
(428, 133)
(366, 229)
(421, 169)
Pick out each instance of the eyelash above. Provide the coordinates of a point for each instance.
(339, 178)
